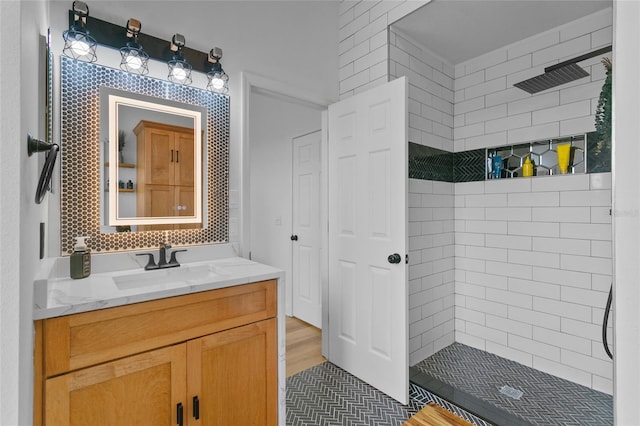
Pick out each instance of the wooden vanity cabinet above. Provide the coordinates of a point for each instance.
(208, 358)
(165, 172)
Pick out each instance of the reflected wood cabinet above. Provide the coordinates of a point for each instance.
(208, 358)
(165, 171)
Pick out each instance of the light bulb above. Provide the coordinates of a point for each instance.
(133, 62)
(217, 83)
(179, 73)
(80, 48)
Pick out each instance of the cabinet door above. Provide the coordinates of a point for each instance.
(143, 389)
(160, 157)
(157, 201)
(185, 199)
(184, 159)
(233, 375)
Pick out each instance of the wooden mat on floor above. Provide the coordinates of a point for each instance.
(434, 415)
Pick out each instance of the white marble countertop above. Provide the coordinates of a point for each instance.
(126, 281)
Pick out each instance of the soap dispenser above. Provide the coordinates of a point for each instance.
(80, 261)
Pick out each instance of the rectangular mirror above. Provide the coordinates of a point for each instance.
(157, 149)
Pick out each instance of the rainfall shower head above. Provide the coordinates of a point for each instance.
(559, 74)
(552, 78)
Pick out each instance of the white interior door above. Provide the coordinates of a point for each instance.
(307, 303)
(368, 302)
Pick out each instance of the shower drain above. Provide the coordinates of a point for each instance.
(511, 392)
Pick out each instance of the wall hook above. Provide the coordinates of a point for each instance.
(37, 145)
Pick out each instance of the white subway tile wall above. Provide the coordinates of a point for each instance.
(431, 95)
(549, 293)
(526, 280)
(483, 86)
(431, 268)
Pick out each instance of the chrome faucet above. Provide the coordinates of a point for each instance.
(162, 258)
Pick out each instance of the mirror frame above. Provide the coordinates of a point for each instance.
(114, 101)
(80, 195)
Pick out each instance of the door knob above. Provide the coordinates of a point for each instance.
(394, 258)
(294, 238)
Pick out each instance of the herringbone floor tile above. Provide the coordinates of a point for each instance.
(326, 395)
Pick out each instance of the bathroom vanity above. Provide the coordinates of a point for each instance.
(194, 345)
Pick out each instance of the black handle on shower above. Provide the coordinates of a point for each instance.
(394, 258)
(294, 238)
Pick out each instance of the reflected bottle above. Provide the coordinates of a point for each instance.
(497, 166)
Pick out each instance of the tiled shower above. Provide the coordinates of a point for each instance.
(517, 267)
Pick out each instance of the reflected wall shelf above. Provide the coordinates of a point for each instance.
(125, 165)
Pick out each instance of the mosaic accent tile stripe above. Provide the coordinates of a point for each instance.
(547, 400)
(327, 395)
(428, 163)
(469, 166)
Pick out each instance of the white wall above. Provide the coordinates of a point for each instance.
(274, 123)
(9, 218)
(21, 91)
(626, 104)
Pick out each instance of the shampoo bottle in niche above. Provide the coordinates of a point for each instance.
(527, 168)
(80, 260)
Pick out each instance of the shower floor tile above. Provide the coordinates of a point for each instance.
(472, 378)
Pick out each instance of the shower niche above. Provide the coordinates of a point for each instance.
(543, 155)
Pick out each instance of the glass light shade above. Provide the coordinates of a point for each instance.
(134, 59)
(78, 44)
(218, 81)
(179, 71)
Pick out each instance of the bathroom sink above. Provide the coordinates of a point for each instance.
(167, 278)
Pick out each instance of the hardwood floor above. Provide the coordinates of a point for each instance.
(434, 415)
(304, 346)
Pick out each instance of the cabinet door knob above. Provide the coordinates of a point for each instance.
(294, 238)
(196, 407)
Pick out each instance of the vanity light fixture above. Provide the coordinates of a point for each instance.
(218, 79)
(179, 68)
(134, 58)
(78, 44)
(181, 60)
